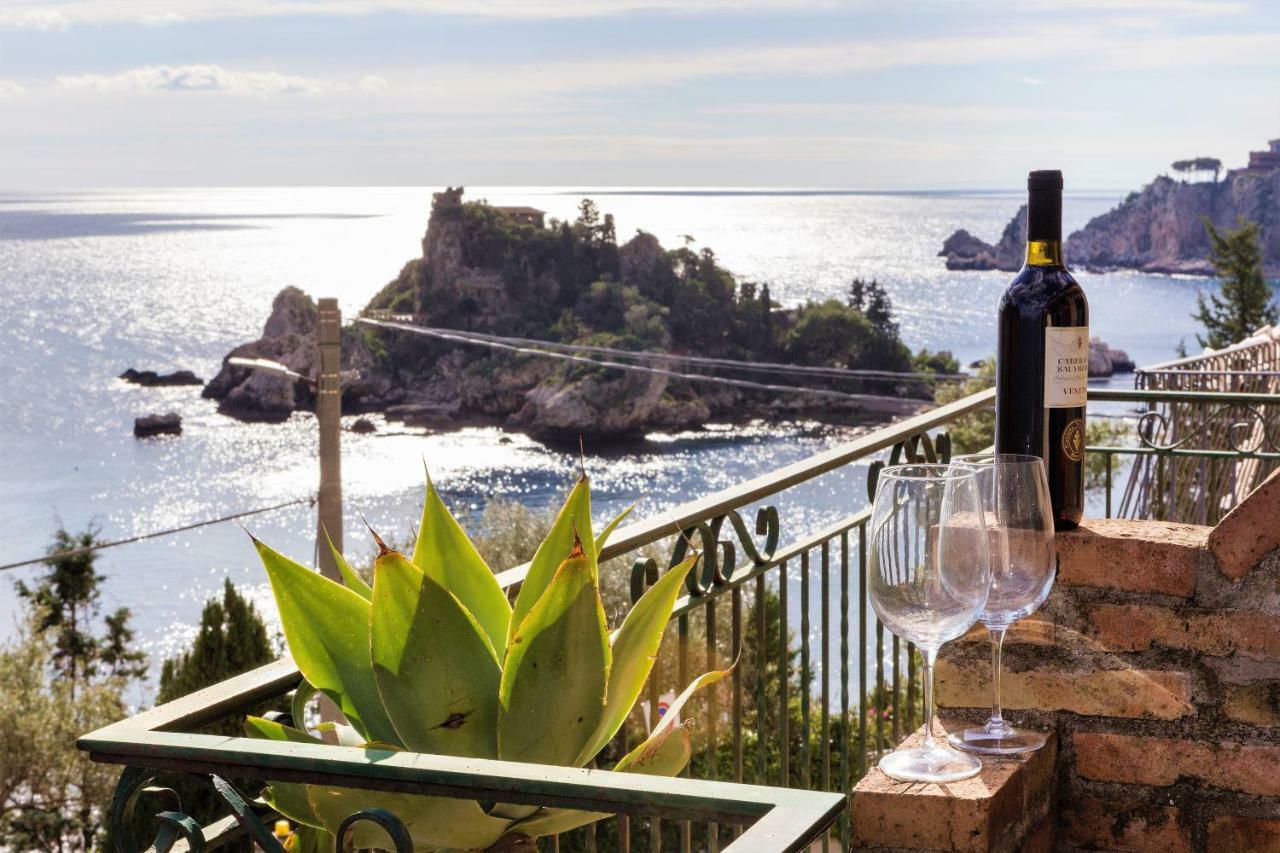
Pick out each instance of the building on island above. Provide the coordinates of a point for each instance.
(524, 215)
(1261, 162)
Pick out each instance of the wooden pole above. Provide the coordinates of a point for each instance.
(329, 415)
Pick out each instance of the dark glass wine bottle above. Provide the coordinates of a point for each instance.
(1042, 365)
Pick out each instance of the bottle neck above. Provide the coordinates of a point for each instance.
(1044, 227)
(1044, 253)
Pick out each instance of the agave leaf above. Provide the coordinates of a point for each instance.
(327, 628)
(302, 697)
(433, 822)
(611, 526)
(445, 553)
(288, 798)
(310, 839)
(553, 683)
(664, 753)
(435, 669)
(664, 756)
(350, 576)
(635, 647)
(572, 522)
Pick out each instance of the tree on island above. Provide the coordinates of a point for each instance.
(1244, 304)
(1199, 164)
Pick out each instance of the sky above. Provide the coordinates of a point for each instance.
(864, 94)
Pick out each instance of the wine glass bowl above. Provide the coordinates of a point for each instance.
(1014, 490)
(929, 574)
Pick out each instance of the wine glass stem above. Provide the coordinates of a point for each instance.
(997, 647)
(930, 656)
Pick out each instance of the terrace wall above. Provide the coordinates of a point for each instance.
(1156, 661)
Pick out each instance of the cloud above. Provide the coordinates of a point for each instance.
(27, 12)
(194, 78)
(10, 89)
(35, 19)
(373, 83)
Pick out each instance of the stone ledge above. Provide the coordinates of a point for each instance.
(1132, 556)
(997, 810)
(1249, 531)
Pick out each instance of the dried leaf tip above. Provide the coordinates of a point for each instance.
(582, 458)
(383, 550)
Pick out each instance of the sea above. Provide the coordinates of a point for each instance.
(94, 282)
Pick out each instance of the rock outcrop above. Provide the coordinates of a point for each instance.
(288, 337)
(1105, 361)
(572, 283)
(964, 251)
(146, 426)
(150, 379)
(1158, 230)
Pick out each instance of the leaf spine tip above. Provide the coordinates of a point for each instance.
(383, 550)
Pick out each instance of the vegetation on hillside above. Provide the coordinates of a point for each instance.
(65, 673)
(573, 282)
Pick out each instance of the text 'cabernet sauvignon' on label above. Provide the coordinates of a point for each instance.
(1066, 366)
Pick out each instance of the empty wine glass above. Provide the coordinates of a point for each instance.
(1015, 502)
(929, 573)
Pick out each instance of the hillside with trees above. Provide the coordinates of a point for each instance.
(485, 270)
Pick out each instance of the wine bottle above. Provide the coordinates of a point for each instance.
(1042, 364)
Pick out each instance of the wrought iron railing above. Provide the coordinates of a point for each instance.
(1183, 476)
(818, 693)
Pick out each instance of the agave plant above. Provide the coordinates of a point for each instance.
(433, 658)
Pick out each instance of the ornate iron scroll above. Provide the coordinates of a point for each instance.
(1253, 424)
(176, 826)
(917, 449)
(718, 557)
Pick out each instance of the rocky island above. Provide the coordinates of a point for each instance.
(1157, 230)
(503, 271)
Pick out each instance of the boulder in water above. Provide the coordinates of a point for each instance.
(150, 378)
(149, 425)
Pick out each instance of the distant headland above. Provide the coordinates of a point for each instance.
(1159, 229)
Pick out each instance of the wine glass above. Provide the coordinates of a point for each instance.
(1015, 500)
(929, 574)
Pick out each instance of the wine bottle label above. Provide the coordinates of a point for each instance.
(1066, 366)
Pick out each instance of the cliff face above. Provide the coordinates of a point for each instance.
(1161, 229)
(1158, 230)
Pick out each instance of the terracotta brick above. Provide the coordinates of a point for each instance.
(1157, 761)
(1250, 531)
(1043, 837)
(1156, 694)
(1137, 627)
(1255, 704)
(1134, 556)
(1104, 824)
(1038, 629)
(1231, 834)
(982, 813)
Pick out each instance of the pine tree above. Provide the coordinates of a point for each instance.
(232, 639)
(1244, 304)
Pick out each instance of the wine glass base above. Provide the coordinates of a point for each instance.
(929, 765)
(987, 740)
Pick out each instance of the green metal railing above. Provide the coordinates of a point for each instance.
(819, 692)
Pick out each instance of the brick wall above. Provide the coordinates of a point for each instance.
(1157, 661)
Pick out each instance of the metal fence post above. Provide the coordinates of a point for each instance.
(329, 415)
